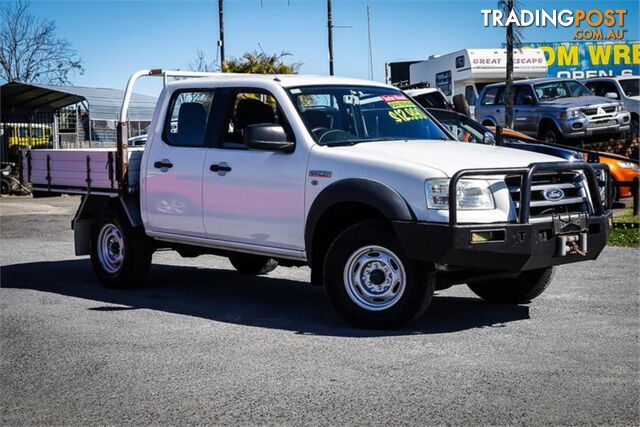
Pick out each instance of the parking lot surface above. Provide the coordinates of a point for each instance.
(202, 344)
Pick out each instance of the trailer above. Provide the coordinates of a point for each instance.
(467, 71)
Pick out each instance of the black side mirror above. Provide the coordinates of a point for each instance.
(268, 137)
(528, 100)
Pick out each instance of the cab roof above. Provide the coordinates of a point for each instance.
(284, 80)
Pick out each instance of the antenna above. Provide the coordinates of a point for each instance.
(272, 69)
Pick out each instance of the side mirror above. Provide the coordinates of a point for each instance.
(611, 95)
(528, 100)
(489, 138)
(268, 137)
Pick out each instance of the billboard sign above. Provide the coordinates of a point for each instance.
(584, 59)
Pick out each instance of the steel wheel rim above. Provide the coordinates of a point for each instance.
(110, 248)
(374, 278)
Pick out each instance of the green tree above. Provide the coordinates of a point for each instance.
(251, 62)
(513, 37)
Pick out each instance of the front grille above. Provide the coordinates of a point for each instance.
(592, 111)
(571, 183)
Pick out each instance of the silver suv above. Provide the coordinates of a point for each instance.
(553, 110)
(624, 88)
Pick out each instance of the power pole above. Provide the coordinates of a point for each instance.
(370, 48)
(330, 27)
(221, 38)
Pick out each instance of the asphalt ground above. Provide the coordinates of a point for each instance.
(204, 345)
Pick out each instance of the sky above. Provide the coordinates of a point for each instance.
(115, 38)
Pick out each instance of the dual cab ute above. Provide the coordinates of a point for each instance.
(350, 177)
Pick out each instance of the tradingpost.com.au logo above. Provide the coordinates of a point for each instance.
(587, 22)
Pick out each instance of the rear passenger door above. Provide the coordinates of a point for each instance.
(173, 192)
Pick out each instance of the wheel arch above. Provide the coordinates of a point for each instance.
(91, 209)
(344, 203)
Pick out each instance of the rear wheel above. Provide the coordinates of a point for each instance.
(253, 264)
(525, 287)
(120, 254)
(371, 283)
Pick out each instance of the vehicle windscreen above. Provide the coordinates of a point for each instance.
(560, 89)
(345, 115)
(631, 87)
(464, 129)
(432, 100)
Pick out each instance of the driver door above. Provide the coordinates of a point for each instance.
(253, 197)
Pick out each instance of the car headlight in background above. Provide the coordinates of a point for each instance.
(571, 114)
(470, 194)
(620, 107)
(628, 165)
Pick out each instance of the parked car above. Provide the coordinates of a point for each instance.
(554, 110)
(429, 97)
(621, 168)
(350, 177)
(466, 129)
(624, 88)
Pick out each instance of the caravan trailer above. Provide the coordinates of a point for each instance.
(467, 71)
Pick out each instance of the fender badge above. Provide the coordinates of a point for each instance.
(320, 174)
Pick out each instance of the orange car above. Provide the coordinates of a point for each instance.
(621, 168)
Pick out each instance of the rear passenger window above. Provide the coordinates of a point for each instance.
(186, 122)
(490, 96)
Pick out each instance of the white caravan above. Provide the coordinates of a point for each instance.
(467, 71)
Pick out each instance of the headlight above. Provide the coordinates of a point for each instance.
(471, 194)
(571, 114)
(628, 165)
(620, 107)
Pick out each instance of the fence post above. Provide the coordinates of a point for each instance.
(635, 189)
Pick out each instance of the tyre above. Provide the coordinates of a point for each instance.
(521, 289)
(635, 126)
(551, 134)
(371, 283)
(253, 264)
(120, 254)
(5, 187)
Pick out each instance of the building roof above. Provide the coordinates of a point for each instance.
(103, 103)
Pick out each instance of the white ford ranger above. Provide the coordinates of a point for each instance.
(349, 177)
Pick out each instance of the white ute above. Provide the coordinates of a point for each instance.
(349, 177)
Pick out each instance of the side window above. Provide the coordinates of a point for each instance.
(186, 121)
(443, 82)
(470, 95)
(250, 108)
(602, 88)
(491, 96)
(521, 92)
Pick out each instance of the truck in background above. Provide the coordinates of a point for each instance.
(468, 71)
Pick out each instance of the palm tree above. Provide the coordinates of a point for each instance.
(260, 63)
(514, 37)
(251, 62)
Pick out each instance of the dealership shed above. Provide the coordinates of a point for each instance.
(40, 115)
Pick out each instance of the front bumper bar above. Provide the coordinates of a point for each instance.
(525, 246)
(519, 246)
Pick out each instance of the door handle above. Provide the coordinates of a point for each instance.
(164, 164)
(220, 168)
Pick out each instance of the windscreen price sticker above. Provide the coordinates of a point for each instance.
(403, 110)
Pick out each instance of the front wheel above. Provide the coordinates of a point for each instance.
(551, 134)
(523, 288)
(120, 254)
(371, 283)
